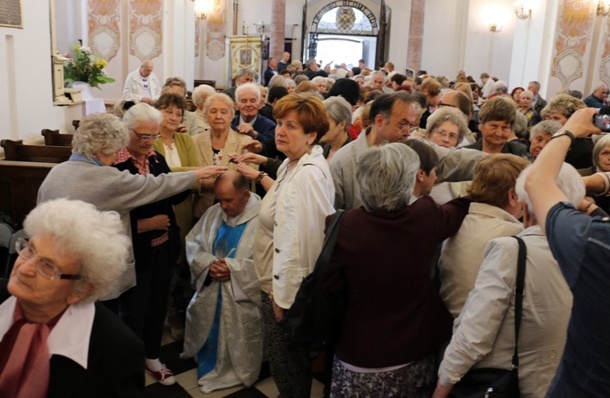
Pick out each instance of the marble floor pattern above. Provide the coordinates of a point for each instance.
(186, 379)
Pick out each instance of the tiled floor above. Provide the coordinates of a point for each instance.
(186, 379)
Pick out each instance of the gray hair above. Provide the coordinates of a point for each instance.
(520, 125)
(219, 97)
(547, 127)
(201, 93)
(247, 87)
(500, 87)
(100, 132)
(568, 180)
(599, 145)
(245, 71)
(277, 81)
(448, 114)
(339, 110)
(95, 237)
(386, 176)
(289, 82)
(318, 78)
(141, 113)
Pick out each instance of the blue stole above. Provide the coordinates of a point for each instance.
(225, 246)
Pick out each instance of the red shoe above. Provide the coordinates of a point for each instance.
(163, 376)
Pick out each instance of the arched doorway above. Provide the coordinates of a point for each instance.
(343, 32)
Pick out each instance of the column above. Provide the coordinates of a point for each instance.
(278, 25)
(416, 35)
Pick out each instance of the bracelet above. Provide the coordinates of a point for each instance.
(567, 133)
(260, 176)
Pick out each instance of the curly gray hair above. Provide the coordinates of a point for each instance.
(100, 133)
(95, 237)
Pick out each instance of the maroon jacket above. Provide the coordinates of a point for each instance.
(383, 260)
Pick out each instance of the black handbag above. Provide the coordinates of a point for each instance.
(491, 382)
(314, 312)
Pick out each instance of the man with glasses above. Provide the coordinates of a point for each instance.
(597, 99)
(155, 241)
(56, 340)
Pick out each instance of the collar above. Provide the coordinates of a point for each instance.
(250, 211)
(362, 143)
(70, 336)
(241, 120)
(79, 157)
(533, 230)
(491, 211)
(124, 154)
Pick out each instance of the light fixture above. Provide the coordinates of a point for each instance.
(203, 8)
(602, 8)
(522, 10)
(495, 27)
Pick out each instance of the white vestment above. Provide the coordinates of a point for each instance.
(240, 337)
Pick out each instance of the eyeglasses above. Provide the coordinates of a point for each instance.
(146, 137)
(49, 271)
(448, 134)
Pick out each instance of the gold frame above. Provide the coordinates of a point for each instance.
(4, 6)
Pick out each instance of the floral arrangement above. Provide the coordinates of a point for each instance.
(85, 67)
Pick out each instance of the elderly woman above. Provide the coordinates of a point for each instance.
(385, 274)
(215, 146)
(526, 107)
(339, 119)
(85, 177)
(200, 95)
(72, 258)
(291, 86)
(291, 231)
(178, 150)
(601, 154)
(156, 241)
(541, 134)
(560, 108)
(484, 333)
(446, 127)
(494, 213)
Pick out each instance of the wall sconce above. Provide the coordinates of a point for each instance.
(203, 8)
(495, 27)
(602, 8)
(523, 10)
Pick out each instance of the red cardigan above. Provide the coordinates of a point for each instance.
(394, 314)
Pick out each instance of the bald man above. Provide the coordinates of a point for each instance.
(142, 84)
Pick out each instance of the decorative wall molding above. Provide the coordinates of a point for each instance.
(215, 32)
(575, 25)
(104, 32)
(145, 28)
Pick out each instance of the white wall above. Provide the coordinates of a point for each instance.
(26, 93)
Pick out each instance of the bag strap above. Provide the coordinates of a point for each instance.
(328, 247)
(519, 296)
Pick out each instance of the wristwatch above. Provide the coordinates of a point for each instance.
(260, 176)
(563, 132)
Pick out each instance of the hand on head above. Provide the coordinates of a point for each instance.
(209, 171)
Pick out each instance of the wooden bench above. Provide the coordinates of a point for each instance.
(54, 137)
(16, 150)
(19, 184)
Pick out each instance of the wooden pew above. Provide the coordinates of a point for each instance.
(53, 137)
(16, 150)
(19, 183)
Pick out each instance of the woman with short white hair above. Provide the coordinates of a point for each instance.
(55, 340)
(200, 94)
(339, 118)
(484, 333)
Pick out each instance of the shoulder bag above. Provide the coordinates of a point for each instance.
(492, 382)
(313, 312)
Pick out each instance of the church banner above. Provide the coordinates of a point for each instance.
(245, 52)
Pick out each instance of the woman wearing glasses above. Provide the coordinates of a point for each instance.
(156, 240)
(56, 341)
(179, 152)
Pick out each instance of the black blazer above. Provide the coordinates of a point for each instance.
(115, 366)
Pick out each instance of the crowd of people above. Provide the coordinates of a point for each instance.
(212, 218)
